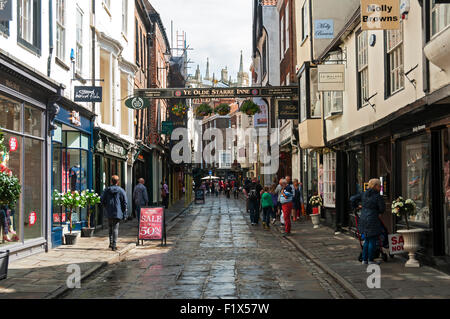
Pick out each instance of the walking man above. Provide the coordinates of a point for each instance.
(165, 194)
(253, 193)
(114, 201)
(140, 197)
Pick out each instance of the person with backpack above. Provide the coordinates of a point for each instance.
(286, 198)
(267, 206)
(114, 201)
(140, 197)
(253, 193)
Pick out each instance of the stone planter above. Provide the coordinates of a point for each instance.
(87, 232)
(315, 218)
(70, 239)
(411, 245)
(4, 261)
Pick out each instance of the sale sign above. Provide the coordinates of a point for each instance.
(151, 224)
(32, 218)
(396, 243)
(13, 144)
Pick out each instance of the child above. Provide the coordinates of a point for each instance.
(267, 206)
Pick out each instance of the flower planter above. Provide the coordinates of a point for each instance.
(70, 239)
(87, 232)
(411, 245)
(315, 218)
(4, 261)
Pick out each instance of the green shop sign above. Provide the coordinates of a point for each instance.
(137, 103)
(167, 128)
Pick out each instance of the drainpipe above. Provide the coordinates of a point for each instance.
(50, 32)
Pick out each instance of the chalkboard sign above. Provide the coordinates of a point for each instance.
(152, 224)
(200, 196)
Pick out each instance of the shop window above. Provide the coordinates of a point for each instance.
(440, 17)
(32, 188)
(416, 176)
(32, 121)
(329, 179)
(11, 112)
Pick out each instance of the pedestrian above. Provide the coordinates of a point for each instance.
(252, 192)
(236, 190)
(114, 201)
(140, 197)
(286, 205)
(165, 194)
(297, 201)
(373, 205)
(267, 206)
(275, 203)
(278, 192)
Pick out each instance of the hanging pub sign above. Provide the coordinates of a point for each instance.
(380, 14)
(152, 224)
(288, 110)
(6, 10)
(88, 94)
(137, 103)
(324, 29)
(331, 77)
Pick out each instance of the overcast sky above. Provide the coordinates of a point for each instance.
(218, 29)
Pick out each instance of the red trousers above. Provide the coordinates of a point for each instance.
(287, 211)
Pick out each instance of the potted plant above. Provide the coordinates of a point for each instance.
(70, 201)
(250, 108)
(411, 237)
(91, 199)
(315, 202)
(179, 109)
(222, 109)
(203, 110)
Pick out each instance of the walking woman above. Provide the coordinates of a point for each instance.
(286, 206)
(297, 201)
(372, 204)
(275, 203)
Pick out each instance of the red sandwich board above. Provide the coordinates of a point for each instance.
(152, 225)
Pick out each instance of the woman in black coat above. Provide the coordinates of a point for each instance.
(369, 223)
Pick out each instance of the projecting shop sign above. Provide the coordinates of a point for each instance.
(5, 10)
(323, 29)
(380, 14)
(331, 77)
(88, 94)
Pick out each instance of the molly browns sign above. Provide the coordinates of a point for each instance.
(380, 14)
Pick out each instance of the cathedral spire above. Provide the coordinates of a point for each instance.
(241, 67)
(207, 77)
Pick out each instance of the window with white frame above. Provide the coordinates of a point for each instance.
(29, 24)
(333, 103)
(363, 68)
(60, 29)
(394, 51)
(79, 45)
(303, 114)
(286, 24)
(125, 16)
(329, 180)
(440, 17)
(282, 43)
(315, 103)
(305, 21)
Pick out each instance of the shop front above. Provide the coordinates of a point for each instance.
(72, 163)
(24, 98)
(111, 157)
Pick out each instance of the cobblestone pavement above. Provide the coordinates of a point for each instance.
(214, 253)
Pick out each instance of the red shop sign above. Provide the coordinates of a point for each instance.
(152, 224)
(32, 218)
(13, 144)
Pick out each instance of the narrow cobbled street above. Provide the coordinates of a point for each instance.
(213, 252)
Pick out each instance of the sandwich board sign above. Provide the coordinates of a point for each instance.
(152, 225)
(200, 196)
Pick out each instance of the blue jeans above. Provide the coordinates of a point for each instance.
(369, 248)
(253, 207)
(267, 211)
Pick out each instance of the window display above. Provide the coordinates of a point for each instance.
(416, 176)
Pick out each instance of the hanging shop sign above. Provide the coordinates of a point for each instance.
(137, 103)
(380, 14)
(167, 128)
(13, 144)
(324, 29)
(260, 119)
(115, 149)
(6, 10)
(88, 94)
(288, 110)
(196, 93)
(331, 77)
(152, 224)
(75, 118)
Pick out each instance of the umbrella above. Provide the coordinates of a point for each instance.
(210, 178)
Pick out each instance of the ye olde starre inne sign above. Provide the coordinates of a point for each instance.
(380, 14)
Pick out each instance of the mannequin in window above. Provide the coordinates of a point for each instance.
(77, 178)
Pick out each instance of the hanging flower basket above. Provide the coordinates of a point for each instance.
(222, 109)
(179, 109)
(250, 108)
(203, 110)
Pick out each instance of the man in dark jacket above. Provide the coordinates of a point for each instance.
(114, 201)
(372, 204)
(253, 193)
(140, 197)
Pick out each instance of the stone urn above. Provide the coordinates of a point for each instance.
(411, 245)
(315, 218)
